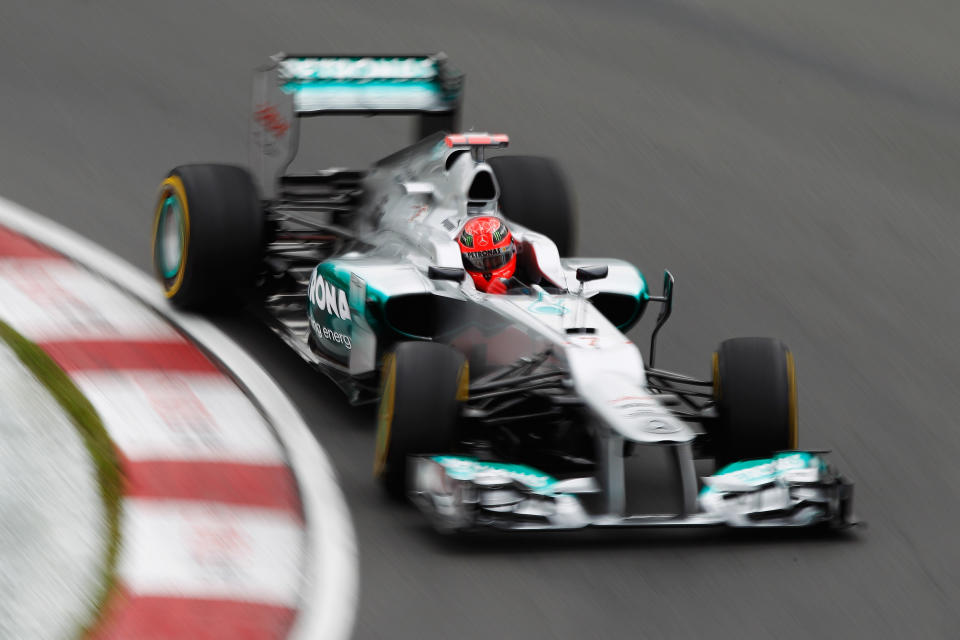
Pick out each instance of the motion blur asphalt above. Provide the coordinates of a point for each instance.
(793, 164)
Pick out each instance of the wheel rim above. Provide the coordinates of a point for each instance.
(171, 235)
(170, 238)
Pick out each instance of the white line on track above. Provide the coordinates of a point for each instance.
(331, 581)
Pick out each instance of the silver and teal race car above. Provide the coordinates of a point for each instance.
(529, 409)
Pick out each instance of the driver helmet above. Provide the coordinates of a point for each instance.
(488, 250)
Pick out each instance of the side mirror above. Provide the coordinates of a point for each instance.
(598, 272)
(453, 274)
(665, 310)
(666, 298)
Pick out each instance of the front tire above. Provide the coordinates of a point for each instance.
(755, 389)
(423, 384)
(207, 234)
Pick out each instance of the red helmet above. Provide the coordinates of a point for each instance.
(488, 250)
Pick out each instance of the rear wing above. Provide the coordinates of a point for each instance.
(291, 87)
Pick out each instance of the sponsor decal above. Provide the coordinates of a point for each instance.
(661, 426)
(328, 334)
(270, 119)
(645, 407)
(326, 298)
(591, 342)
(418, 210)
(358, 69)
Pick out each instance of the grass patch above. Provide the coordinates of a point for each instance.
(98, 444)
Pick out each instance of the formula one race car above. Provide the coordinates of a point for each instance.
(439, 283)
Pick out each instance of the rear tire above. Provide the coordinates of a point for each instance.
(533, 193)
(207, 234)
(422, 386)
(755, 388)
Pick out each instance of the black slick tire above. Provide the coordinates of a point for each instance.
(207, 234)
(534, 193)
(755, 390)
(422, 386)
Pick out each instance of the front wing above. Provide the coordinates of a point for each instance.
(792, 489)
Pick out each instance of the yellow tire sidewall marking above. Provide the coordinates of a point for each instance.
(463, 383)
(385, 413)
(173, 185)
(716, 376)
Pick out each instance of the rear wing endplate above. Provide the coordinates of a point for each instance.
(294, 86)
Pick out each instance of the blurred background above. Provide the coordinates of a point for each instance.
(794, 165)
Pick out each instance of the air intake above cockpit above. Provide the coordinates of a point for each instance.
(483, 186)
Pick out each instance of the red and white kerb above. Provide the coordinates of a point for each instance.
(213, 529)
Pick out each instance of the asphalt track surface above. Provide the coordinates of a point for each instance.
(795, 166)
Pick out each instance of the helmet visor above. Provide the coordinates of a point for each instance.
(489, 259)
